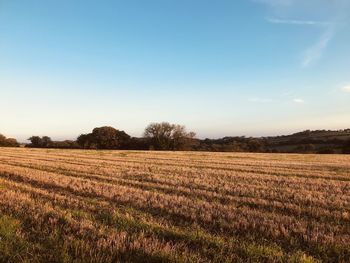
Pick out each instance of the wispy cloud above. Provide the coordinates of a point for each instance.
(297, 22)
(330, 15)
(299, 101)
(315, 52)
(346, 88)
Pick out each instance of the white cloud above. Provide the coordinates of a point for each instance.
(298, 101)
(297, 22)
(315, 52)
(346, 88)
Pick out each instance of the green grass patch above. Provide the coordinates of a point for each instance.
(13, 247)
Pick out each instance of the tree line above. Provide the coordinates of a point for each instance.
(157, 136)
(175, 137)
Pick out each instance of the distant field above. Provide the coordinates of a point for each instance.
(130, 206)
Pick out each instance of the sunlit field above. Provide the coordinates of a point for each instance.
(134, 206)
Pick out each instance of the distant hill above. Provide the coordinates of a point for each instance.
(318, 141)
(317, 135)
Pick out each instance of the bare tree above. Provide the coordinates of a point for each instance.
(166, 136)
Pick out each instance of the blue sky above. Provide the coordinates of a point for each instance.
(224, 67)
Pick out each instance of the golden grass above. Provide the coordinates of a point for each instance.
(134, 206)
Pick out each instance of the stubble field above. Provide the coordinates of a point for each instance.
(134, 206)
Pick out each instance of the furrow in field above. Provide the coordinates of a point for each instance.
(235, 202)
(288, 160)
(316, 212)
(225, 177)
(253, 236)
(138, 173)
(44, 221)
(339, 173)
(102, 213)
(212, 216)
(223, 197)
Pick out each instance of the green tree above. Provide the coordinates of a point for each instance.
(35, 141)
(2, 138)
(8, 142)
(104, 138)
(85, 141)
(40, 142)
(46, 142)
(346, 147)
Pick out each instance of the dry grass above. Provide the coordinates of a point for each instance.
(133, 206)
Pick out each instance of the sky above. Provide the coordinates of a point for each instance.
(221, 68)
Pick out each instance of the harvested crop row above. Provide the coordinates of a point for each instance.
(210, 206)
